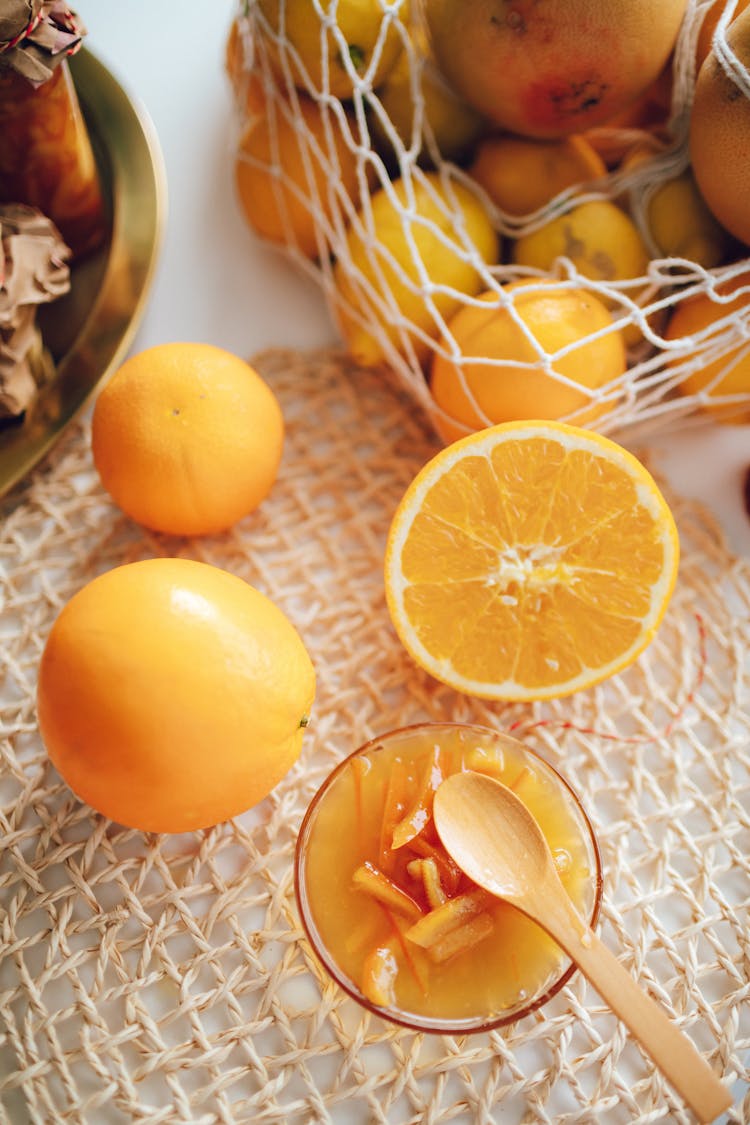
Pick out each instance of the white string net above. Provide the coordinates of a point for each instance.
(350, 147)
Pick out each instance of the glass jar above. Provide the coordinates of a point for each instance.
(46, 157)
(372, 882)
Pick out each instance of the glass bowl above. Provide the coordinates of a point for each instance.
(389, 915)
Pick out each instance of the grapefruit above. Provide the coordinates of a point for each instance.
(546, 68)
(720, 131)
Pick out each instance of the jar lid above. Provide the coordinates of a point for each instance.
(36, 36)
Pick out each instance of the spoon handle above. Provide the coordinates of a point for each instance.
(671, 1050)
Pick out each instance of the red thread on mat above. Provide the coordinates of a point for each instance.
(565, 724)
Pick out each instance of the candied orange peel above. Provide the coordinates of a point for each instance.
(433, 910)
(376, 883)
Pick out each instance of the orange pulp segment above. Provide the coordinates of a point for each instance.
(529, 561)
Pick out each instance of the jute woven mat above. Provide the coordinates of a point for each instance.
(166, 979)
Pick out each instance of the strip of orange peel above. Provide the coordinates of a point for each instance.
(426, 870)
(393, 811)
(369, 878)
(433, 927)
(462, 939)
(420, 811)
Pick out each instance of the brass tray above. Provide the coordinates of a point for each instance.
(90, 329)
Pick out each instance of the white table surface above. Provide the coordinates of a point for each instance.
(217, 283)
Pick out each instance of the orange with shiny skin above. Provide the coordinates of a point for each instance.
(172, 695)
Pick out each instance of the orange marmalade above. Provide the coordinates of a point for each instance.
(389, 914)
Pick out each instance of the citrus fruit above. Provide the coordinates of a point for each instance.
(678, 219)
(172, 695)
(293, 171)
(553, 68)
(650, 111)
(423, 111)
(245, 82)
(360, 41)
(415, 244)
(521, 175)
(709, 25)
(503, 375)
(682, 225)
(529, 561)
(720, 129)
(187, 438)
(728, 375)
(601, 241)
(234, 53)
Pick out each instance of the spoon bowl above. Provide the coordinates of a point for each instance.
(509, 854)
(494, 839)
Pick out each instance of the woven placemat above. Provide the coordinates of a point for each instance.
(166, 979)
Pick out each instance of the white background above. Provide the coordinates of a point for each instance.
(217, 283)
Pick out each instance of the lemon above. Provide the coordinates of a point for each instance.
(678, 218)
(682, 226)
(363, 41)
(601, 241)
(408, 262)
(446, 120)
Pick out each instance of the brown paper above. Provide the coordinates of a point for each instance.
(33, 271)
(36, 35)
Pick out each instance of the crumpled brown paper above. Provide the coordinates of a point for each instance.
(36, 35)
(33, 271)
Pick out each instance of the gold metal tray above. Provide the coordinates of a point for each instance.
(89, 330)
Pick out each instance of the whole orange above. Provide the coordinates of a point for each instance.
(722, 380)
(173, 695)
(521, 175)
(502, 375)
(294, 171)
(187, 438)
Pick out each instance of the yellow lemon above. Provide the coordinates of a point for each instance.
(446, 121)
(601, 241)
(417, 252)
(678, 218)
(360, 40)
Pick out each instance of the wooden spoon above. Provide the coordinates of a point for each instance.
(493, 837)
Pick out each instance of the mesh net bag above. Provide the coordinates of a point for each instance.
(359, 167)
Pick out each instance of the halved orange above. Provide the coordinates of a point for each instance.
(530, 560)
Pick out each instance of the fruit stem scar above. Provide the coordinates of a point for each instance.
(304, 721)
(357, 56)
